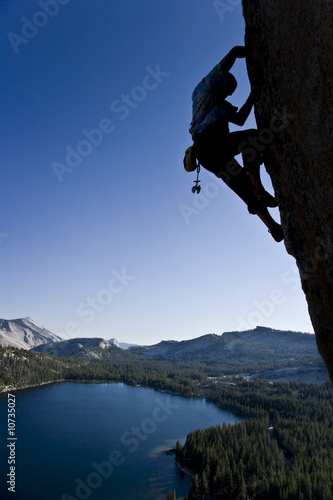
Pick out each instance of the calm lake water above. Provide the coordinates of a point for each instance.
(99, 441)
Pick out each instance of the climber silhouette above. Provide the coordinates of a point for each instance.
(215, 146)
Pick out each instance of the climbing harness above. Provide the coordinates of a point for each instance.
(196, 188)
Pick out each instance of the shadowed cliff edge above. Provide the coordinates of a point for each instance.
(290, 66)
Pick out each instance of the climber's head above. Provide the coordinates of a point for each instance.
(230, 86)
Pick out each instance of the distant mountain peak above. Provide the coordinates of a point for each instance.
(122, 345)
(24, 333)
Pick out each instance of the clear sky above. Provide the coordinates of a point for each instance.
(100, 233)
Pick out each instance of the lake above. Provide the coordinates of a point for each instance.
(99, 441)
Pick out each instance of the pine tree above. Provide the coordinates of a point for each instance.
(194, 488)
(204, 484)
(179, 450)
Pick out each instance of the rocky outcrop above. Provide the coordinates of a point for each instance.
(89, 348)
(114, 341)
(290, 66)
(121, 345)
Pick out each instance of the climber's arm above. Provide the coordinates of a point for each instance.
(240, 117)
(229, 60)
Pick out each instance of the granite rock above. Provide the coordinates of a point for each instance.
(290, 66)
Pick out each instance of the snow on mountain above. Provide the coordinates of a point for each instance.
(24, 333)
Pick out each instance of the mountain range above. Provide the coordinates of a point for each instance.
(259, 343)
(252, 353)
(24, 333)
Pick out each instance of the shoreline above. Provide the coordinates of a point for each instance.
(9, 388)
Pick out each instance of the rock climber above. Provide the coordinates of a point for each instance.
(215, 146)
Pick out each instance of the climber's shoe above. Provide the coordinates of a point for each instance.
(277, 233)
(268, 200)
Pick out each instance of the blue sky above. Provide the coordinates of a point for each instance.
(100, 233)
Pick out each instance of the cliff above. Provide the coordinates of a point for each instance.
(290, 66)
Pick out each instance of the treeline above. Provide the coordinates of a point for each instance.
(284, 450)
(21, 368)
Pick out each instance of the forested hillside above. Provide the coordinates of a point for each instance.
(20, 368)
(283, 450)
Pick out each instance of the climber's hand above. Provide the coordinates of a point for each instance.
(229, 60)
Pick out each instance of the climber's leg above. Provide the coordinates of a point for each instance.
(247, 143)
(237, 178)
(274, 228)
(218, 157)
(242, 186)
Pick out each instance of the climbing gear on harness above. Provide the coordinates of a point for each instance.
(196, 188)
(191, 164)
(190, 161)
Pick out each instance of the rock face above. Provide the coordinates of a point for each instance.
(121, 345)
(290, 67)
(24, 333)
